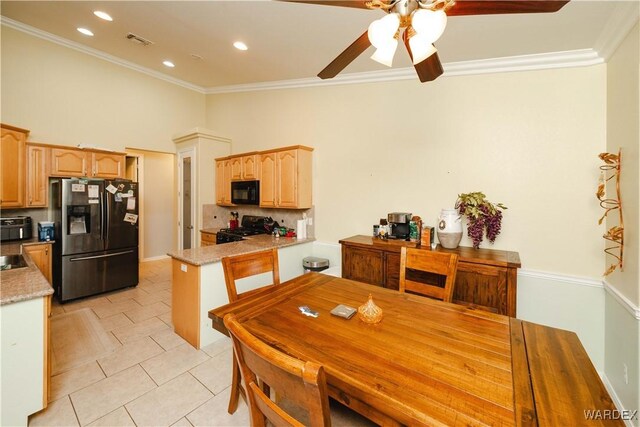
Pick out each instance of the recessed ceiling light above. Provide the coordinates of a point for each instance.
(103, 15)
(85, 31)
(240, 46)
(168, 64)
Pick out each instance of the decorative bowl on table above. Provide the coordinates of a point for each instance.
(369, 312)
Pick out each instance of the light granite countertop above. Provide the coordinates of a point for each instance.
(25, 283)
(214, 253)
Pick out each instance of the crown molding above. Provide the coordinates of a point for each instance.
(96, 53)
(619, 24)
(622, 20)
(633, 309)
(572, 58)
(201, 133)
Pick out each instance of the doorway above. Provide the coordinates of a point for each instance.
(134, 163)
(186, 198)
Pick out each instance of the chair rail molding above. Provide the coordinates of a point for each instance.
(633, 309)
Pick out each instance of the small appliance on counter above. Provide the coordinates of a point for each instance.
(399, 225)
(16, 228)
(45, 231)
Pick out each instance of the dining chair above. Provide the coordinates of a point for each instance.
(303, 383)
(240, 267)
(432, 263)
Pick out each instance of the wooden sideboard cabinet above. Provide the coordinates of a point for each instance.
(486, 279)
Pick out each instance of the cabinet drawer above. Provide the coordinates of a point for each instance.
(208, 238)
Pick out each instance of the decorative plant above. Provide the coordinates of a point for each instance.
(482, 216)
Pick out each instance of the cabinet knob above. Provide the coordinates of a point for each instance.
(46, 250)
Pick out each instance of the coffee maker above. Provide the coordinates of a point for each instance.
(399, 225)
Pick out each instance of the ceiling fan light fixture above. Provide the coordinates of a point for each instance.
(384, 29)
(421, 48)
(429, 23)
(384, 53)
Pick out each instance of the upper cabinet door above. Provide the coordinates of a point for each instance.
(37, 175)
(12, 153)
(110, 166)
(287, 173)
(69, 162)
(250, 167)
(268, 180)
(236, 168)
(223, 182)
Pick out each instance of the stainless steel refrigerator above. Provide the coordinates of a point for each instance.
(96, 236)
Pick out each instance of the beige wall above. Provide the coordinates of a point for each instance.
(529, 140)
(67, 97)
(622, 333)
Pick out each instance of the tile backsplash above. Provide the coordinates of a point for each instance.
(214, 216)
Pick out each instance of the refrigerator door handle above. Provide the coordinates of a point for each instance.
(102, 216)
(100, 256)
(107, 223)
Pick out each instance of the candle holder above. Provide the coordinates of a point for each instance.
(614, 234)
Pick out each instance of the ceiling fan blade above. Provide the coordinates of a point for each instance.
(359, 4)
(346, 57)
(490, 7)
(429, 69)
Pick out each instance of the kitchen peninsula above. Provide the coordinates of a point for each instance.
(198, 285)
(25, 304)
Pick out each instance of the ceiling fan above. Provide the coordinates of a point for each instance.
(419, 23)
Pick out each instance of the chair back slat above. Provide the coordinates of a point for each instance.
(242, 266)
(440, 263)
(303, 383)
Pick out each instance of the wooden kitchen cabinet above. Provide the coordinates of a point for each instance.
(285, 178)
(37, 175)
(486, 279)
(223, 182)
(12, 159)
(244, 168)
(41, 256)
(107, 165)
(207, 239)
(250, 167)
(68, 162)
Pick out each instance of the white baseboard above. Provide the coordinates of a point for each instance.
(615, 398)
(155, 258)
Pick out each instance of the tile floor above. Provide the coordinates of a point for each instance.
(153, 377)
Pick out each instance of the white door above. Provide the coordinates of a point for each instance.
(186, 198)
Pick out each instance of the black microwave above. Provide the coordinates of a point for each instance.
(245, 192)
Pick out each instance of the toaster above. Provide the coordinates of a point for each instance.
(16, 228)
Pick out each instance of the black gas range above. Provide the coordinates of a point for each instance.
(251, 225)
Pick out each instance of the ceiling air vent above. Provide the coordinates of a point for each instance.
(138, 39)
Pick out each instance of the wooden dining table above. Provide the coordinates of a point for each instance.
(427, 362)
